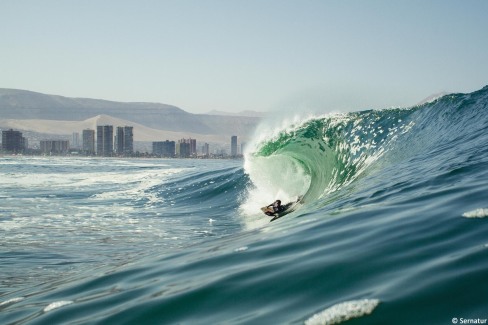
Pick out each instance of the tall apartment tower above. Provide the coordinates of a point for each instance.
(124, 140)
(89, 141)
(164, 148)
(75, 140)
(233, 146)
(188, 148)
(206, 150)
(128, 140)
(183, 148)
(193, 147)
(105, 140)
(13, 141)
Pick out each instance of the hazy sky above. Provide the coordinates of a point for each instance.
(246, 55)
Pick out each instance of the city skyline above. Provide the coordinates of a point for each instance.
(103, 142)
(252, 55)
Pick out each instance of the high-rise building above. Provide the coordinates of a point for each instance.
(119, 140)
(164, 148)
(188, 148)
(13, 141)
(128, 140)
(193, 147)
(54, 146)
(233, 146)
(183, 148)
(206, 150)
(105, 140)
(75, 140)
(89, 141)
(124, 140)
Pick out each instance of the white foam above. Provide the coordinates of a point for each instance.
(267, 175)
(241, 249)
(57, 304)
(11, 301)
(344, 311)
(478, 213)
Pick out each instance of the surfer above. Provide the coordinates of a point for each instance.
(276, 209)
(273, 208)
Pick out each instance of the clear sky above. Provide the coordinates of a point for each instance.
(235, 55)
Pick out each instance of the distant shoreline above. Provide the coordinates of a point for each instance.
(141, 156)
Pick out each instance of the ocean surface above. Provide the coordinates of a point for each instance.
(392, 228)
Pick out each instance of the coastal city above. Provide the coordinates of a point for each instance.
(103, 142)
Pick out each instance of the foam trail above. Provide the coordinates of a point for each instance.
(56, 305)
(344, 311)
(478, 213)
(11, 301)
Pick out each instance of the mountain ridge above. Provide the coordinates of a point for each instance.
(55, 128)
(18, 104)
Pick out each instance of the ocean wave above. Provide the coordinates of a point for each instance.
(319, 155)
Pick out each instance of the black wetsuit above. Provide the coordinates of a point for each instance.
(277, 208)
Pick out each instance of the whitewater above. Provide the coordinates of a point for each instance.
(391, 229)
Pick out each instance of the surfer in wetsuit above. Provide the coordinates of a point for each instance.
(276, 208)
(273, 208)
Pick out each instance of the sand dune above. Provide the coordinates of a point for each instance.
(141, 132)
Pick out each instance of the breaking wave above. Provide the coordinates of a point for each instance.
(315, 156)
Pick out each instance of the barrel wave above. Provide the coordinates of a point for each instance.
(317, 156)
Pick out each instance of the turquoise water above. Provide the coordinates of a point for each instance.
(392, 229)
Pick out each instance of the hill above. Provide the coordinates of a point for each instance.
(27, 105)
(52, 128)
